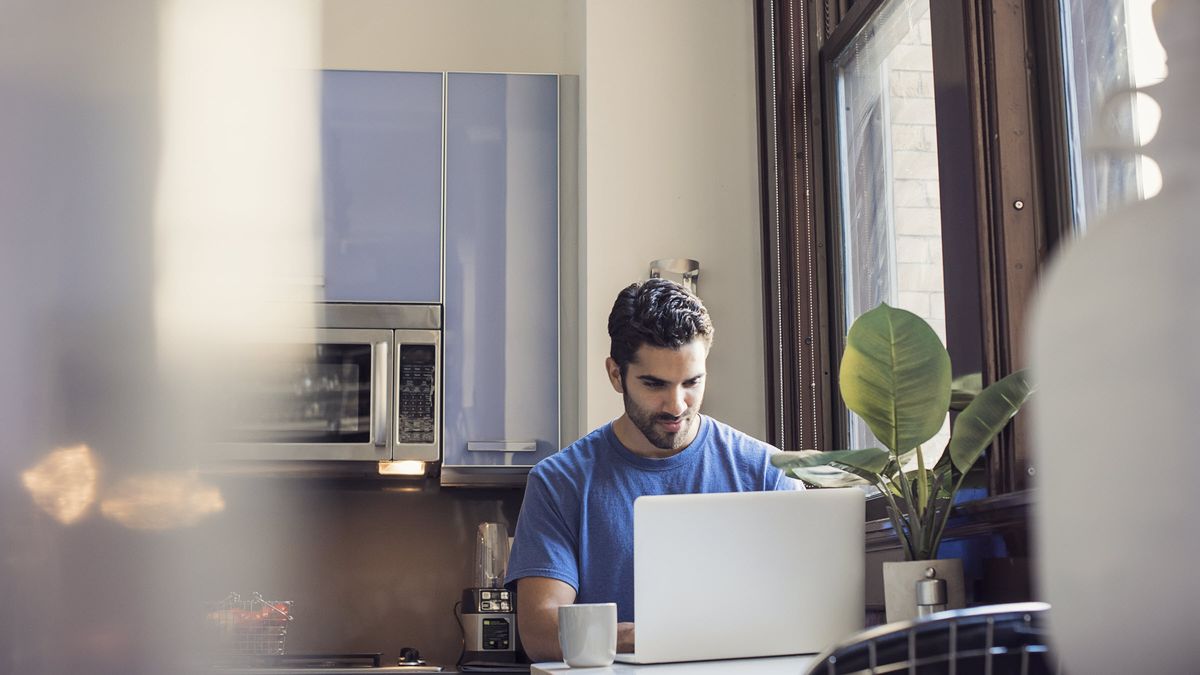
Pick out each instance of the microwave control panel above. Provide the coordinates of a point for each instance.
(418, 377)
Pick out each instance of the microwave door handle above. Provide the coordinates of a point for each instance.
(379, 398)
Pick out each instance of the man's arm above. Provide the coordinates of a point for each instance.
(538, 600)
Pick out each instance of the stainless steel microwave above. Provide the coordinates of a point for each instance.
(367, 386)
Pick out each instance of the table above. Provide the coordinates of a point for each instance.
(774, 665)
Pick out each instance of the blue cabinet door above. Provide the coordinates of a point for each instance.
(501, 382)
(381, 142)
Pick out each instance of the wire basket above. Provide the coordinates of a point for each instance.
(253, 627)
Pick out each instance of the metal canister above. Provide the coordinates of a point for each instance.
(931, 593)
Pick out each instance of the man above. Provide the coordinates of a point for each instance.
(574, 538)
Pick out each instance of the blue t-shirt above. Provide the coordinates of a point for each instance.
(576, 523)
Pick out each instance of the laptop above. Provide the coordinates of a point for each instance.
(746, 574)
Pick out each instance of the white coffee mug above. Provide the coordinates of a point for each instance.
(588, 634)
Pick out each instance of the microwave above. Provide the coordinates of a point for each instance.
(364, 384)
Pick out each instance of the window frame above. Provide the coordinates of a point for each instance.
(797, 377)
(1001, 130)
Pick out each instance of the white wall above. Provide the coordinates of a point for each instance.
(671, 172)
(512, 36)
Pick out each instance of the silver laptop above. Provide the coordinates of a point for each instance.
(745, 574)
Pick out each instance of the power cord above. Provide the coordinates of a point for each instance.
(462, 635)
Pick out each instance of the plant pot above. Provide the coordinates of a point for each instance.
(900, 585)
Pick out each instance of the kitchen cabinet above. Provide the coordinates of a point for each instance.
(381, 147)
(501, 339)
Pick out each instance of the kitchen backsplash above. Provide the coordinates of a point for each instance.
(371, 565)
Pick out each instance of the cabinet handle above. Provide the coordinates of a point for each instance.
(379, 397)
(501, 446)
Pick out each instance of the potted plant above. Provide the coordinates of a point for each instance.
(895, 374)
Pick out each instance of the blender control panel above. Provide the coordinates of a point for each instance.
(418, 377)
(495, 601)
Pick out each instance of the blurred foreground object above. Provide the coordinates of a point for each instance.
(1114, 352)
(158, 177)
(64, 483)
(161, 501)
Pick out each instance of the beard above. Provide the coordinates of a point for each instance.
(646, 422)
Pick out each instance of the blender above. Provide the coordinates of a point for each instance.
(489, 611)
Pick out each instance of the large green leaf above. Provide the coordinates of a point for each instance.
(810, 467)
(827, 477)
(867, 463)
(838, 468)
(895, 374)
(977, 425)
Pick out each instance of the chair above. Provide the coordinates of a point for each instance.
(1009, 638)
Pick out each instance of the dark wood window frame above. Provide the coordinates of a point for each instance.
(797, 367)
(997, 84)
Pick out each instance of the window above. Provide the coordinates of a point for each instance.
(1109, 48)
(901, 151)
(1032, 142)
(885, 177)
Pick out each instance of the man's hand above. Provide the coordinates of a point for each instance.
(625, 638)
(538, 600)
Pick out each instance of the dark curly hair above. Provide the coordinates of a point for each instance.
(657, 312)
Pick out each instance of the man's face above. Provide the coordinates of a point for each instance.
(663, 389)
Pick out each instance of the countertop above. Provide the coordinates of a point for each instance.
(301, 670)
(775, 665)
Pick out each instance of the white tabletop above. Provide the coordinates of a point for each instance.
(775, 665)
